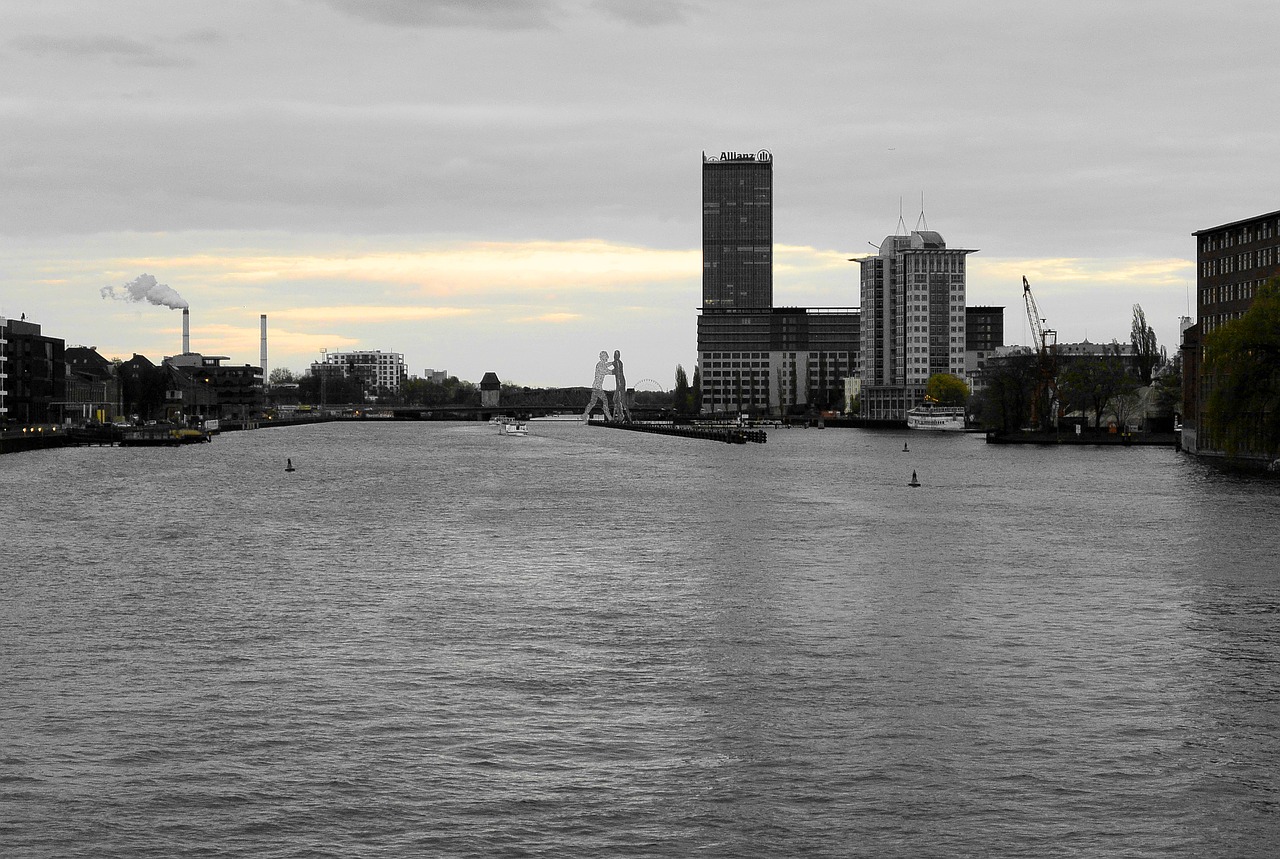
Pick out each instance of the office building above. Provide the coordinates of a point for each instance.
(777, 361)
(375, 368)
(1232, 261)
(33, 373)
(754, 358)
(983, 335)
(913, 321)
(737, 231)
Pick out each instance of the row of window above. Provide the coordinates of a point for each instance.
(932, 262)
(1208, 323)
(1238, 262)
(1241, 291)
(1242, 235)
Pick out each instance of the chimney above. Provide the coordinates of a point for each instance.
(263, 319)
(186, 331)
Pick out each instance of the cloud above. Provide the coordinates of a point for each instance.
(648, 13)
(450, 268)
(547, 318)
(482, 14)
(117, 49)
(356, 313)
(243, 342)
(1087, 272)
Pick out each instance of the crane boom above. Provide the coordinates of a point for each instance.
(1046, 342)
(1033, 316)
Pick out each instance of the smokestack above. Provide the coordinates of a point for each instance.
(186, 331)
(263, 319)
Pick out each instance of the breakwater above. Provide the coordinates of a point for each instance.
(727, 434)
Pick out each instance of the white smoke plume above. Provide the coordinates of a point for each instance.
(145, 288)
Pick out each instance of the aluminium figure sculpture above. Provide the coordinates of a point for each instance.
(603, 368)
(620, 390)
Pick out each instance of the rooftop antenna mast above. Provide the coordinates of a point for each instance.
(902, 225)
(921, 222)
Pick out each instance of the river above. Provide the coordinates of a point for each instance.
(430, 640)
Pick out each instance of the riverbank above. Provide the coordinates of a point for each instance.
(1127, 439)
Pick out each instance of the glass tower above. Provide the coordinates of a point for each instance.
(737, 231)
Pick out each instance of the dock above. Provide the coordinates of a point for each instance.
(726, 434)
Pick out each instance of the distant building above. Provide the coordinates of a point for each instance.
(913, 321)
(33, 373)
(754, 358)
(737, 231)
(490, 390)
(1232, 261)
(4, 366)
(237, 389)
(435, 377)
(778, 361)
(983, 335)
(378, 369)
(92, 393)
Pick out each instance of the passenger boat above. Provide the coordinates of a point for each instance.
(162, 435)
(513, 428)
(929, 416)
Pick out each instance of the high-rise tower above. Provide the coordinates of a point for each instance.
(913, 321)
(737, 231)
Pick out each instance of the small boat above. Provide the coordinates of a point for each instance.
(930, 416)
(513, 428)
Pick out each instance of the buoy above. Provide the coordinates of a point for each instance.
(904, 447)
(289, 466)
(913, 482)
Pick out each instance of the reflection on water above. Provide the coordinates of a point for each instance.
(432, 639)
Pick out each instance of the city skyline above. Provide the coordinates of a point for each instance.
(514, 187)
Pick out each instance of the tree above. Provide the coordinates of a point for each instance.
(1146, 352)
(682, 399)
(1095, 383)
(281, 375)
(947, 390)
(1168, 389)
(1004, 401)
(1242, 377)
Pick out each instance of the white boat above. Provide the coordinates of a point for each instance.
(513, 428)
(939, 418)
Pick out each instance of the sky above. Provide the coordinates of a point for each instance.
(515, 185)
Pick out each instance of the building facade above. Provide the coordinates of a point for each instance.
(376, 368)
(737, 231)
(92, 393)
(776, 362)
(33, 373)
(1232, 261)
(754, 358)
(236, 391)
(913, 321)
(983, 335)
